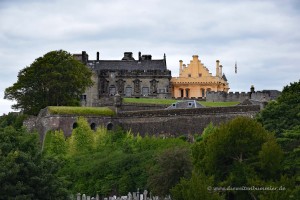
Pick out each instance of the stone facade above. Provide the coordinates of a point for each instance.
(195, 80)
(144, 77)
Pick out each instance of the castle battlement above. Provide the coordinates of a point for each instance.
(265, 95)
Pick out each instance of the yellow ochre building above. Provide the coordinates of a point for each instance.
(195, 80)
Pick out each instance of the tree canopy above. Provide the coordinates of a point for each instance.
(56, 79)
(284, 113)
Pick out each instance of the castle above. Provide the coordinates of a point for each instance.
(147, 77)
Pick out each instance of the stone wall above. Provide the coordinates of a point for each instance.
(239, 96)
(173, 122)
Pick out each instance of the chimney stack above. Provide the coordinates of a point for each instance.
(180, 66)
(217, 67)
(98, 56)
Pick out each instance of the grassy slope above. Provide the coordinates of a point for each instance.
(170, 101)
(102, 111)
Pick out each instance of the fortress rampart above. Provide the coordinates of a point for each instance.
(173, 122)
(265, 95)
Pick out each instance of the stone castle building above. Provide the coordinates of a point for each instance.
(195, 80)
(128, 77)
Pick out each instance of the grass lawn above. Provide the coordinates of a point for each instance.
(170, 101)
(218, 104)
(149, 101)
(102, 111)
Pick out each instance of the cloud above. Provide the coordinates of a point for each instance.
(262, 36)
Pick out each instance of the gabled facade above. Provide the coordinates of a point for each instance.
(195, 80)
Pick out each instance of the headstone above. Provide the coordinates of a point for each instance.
(93, 198)
(97, 197)
(145, 194)
(83, 197)
(129, 196)
(78, 196)
(88, 198)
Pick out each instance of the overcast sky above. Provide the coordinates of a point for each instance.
(263, 36)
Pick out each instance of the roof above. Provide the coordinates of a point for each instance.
(185, 104)
(128, 65)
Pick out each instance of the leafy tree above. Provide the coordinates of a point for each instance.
(24, 172)
(171, 165)
(198, 187)
(82, 138)
(56, 79)
(284, 113)
(238, 152)
(55, 144)
(12, 119)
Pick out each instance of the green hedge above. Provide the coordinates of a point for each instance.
(103, 111)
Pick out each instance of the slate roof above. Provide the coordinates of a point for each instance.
(128, 65)
(224, 77)
(185, 104)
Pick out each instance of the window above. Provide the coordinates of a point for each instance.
(145, 91)
(189, 75)
(128, 91)
(200, 75)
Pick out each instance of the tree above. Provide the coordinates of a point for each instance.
(56, 79)
(238, 152)
(24, 172)
(284, 113)
(171, 165)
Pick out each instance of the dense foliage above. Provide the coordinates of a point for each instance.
(24, 172)
(116, 162)
(230, 161)
(284, 113)
(240, 153)
(56, 79)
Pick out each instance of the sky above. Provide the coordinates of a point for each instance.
(261, 36)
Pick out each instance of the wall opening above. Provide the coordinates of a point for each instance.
(93, 126)
(75, 125)
(109, 126)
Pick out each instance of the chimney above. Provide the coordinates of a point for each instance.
(180, 66)
(140, 56)
(84, 57)
(98, 55)
(217, 67)
(220, 71)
